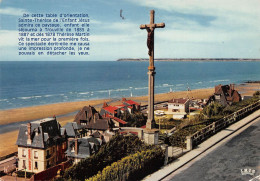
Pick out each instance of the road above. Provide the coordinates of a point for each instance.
(226, 161)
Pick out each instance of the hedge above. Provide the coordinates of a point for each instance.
(117, 148)
(132, 167)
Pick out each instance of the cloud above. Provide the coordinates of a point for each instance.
(93, 21)
(235, 13)
(12, 11)
(114, 38)
(8, 38)
(204, 6)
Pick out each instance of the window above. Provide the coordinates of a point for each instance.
(23, 153)
(48, 154)
(64, 145)
(73, 149)
(35, 165)
(24, 163)
(48, 164)
(36, 154)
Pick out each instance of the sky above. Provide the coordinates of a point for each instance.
(193, 28)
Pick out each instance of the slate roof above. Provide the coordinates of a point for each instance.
(44, 133)
(100, 124)
(72, 129)
(86, 146)
(87, 113)
(92, 119)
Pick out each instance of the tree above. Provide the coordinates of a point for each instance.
(214, 109)
(257, 93)
(136, 119)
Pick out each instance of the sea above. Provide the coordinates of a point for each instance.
(31, 83)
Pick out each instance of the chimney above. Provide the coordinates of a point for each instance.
(105, 104)
(123, 99)
(231, 88)
(76, 146)
(29, 138)
(217, 87)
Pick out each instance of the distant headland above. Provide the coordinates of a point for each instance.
(188, 59)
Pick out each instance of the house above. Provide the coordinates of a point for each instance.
(40, 145)
(178, 107)
(110, 110)
(135, 106)
(115, 111)
(74, 130)
(86, 115)
(117, 121)
(225, 95)
(81, 148)
(92, 121)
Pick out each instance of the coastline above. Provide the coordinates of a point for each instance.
(49, 110)
(8, 139)
(188, 59)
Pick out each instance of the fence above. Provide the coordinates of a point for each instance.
(220, 124)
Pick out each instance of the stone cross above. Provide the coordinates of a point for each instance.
(151, 69)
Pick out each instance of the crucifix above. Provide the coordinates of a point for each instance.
(151, 69)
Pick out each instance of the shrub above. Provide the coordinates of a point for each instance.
(132, 167)
(136, 119)
(213, 109)
(117, 148)
(257, 93)
(178, 138)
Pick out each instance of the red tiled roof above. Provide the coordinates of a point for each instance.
(181, 101)
(144, 126)
(116, 119)
(120, 106)
(131, 102)
(110, 109)
(119, 120)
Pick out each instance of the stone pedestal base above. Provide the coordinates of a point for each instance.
(151, 136)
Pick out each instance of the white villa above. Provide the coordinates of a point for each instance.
(178, 107)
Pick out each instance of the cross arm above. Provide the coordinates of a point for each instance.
(158, 25)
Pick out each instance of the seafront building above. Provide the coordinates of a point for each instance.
(73, 130)
(225, 95)
(40, 145)
(81, 148)
(178, 107)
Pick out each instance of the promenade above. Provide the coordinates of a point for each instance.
(211, 144)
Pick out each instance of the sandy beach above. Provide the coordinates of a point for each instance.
(7, 143)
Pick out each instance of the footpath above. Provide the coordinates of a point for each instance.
(203, 147)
